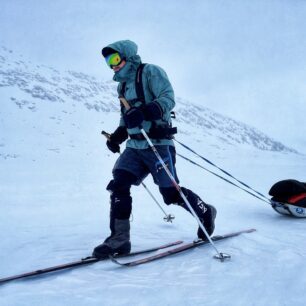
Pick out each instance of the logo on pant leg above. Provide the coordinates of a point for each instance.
(159, 166)
(201, 205)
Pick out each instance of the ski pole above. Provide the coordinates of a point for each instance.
(219, 255)
(223, 178)
(225, 172)
(168, 217)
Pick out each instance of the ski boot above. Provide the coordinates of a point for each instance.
(117, 243)
(205, 212)
(208, 221)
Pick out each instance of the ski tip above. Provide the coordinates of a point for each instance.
(251, 230)
(114, 260)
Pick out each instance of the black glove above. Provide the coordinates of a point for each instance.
(112, 146)
(115, 139)
(133, 117)
(153, 111)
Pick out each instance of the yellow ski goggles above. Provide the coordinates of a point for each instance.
(113, 60)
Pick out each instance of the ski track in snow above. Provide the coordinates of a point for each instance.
(54, 169)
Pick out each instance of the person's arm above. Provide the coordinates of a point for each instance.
(162, 90)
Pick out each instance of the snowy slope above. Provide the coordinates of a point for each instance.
(54, 169)
(32, 87)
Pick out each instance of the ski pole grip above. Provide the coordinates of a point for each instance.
(107, 135)
(127, 106)
(125, 103)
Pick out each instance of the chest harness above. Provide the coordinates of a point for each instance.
(157, 131)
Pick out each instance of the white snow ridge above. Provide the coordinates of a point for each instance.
(55, 209)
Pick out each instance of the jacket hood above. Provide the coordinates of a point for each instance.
(128, 50)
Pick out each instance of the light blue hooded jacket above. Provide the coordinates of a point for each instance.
(156, 86)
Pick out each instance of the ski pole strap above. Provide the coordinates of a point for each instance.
(225, 172)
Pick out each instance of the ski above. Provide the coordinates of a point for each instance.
(178, 249)
(82, 262)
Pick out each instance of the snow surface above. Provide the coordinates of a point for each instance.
(54, 169)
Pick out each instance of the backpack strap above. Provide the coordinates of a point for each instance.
(122, 90)
(122, 93)
(139, 84)
(156, 132)
(139, 88)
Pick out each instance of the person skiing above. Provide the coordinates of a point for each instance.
(150, 95)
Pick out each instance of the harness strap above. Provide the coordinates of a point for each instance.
(139, 85)
(157, 133)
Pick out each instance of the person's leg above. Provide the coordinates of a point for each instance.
(127, 171)
(160, 176)
(120, 211)
(205, 212)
